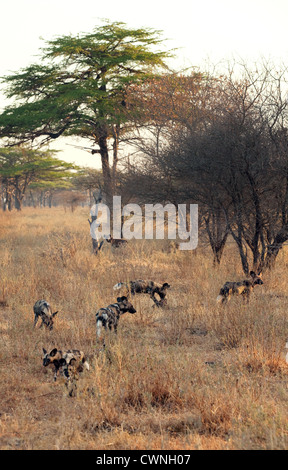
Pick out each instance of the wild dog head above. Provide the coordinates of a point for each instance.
(48, 320)
(256, 278)
(165, 286)
(43, 311)
(51, 358)
(125, 305)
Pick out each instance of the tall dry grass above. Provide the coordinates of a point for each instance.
(190, 376)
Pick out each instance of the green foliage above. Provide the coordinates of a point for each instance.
(32, 166)
(78, 86)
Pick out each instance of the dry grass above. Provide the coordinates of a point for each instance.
(190, 376)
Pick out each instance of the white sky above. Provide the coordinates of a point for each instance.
(201, 30)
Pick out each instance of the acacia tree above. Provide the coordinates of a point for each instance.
(78, 88)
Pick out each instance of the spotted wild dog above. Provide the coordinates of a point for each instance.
(243, 288)
(146, 287)
(56, 356)
(116, 242)
(109, 316)
(43, 310)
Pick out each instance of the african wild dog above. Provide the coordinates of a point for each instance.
(56, 358)
(43, 310)
(116, 242)
(109, 316)
(146, 287)
(243, 288)
(171, 246)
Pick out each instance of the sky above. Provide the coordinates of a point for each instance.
(202, 31)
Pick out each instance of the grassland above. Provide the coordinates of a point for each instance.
(190, 376)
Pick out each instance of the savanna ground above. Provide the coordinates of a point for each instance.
(190, 376)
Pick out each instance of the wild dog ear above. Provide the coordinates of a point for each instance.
(62, 361)
(166, 285)
(55, 313)
(53, 352)
(121, 299)
(252, 274)
(44, 351)
(72, 361)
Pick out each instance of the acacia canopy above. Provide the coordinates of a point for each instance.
(78, 88)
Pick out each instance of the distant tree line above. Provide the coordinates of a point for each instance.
(23, 168)
(38, 179)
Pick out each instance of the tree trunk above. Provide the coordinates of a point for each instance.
(50, 197)
(18, 196)
(239, 239)
(274, 248)
(217, 235)
(17, 203)
(106, 170)
(8, 197)
(116, 132)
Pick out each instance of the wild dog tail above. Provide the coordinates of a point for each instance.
(98, 327)
(119, 285)
(86, 365)
(222, 295)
